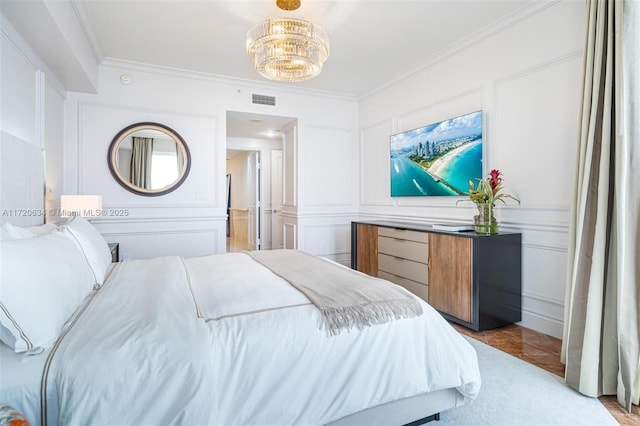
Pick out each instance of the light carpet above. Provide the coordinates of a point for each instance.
(515, 393)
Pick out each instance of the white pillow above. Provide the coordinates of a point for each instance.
(41, 230)
(42, 282)
(12, 232)
(4, 232)
(91, 244)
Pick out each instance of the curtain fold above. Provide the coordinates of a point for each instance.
(601, 329)
(179, 160)
(628, 215)
(141, 157)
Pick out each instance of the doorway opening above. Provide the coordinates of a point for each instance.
(254, 180)
(243, 200)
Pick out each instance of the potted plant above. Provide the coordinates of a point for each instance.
(484, 196)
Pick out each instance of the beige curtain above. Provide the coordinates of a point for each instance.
(179, 159)
(600, 345)
(141, 157)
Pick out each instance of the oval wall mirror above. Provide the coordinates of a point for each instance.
(149, 159)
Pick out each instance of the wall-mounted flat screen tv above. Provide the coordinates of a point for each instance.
(437, 159)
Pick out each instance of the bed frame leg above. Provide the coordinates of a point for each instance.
(425, 420)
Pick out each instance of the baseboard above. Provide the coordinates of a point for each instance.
(546, 325)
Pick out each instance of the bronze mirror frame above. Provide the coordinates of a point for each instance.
(126, 183)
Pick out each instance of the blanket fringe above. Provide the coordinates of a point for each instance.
(368, 314)
(345, 298)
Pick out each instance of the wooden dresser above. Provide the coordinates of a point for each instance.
(403, 257)
(473, 280)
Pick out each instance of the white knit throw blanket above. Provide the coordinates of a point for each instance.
(346, 298)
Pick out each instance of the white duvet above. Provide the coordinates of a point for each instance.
(220, 340)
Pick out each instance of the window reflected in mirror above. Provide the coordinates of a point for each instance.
(149, 159)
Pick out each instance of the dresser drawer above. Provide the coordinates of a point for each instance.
(403, 234)
(404, 268)
(420, 290)
(407, 249)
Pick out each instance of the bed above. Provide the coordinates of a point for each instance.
(226, 339)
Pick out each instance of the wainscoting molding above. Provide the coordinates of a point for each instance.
(542, 323)
(92, 136)
(329, 145)
(290, 239)
(568, 57)
(290, 164)
(466, 101)
(349, 215)
(550, 90)
(138, 221)
(176, 235)
(111, 235)
(484, 33)
(543, 285)
(187, 243)
(327, 239)
(375, 138)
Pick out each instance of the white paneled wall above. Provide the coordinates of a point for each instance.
(97, 126)
(187, 218)
(526, 80)
(54, 141)
(329, 237)
(290, 172)
(192, 219)
(328, 190)
(330, 180)
(21, 97)
(32, 110)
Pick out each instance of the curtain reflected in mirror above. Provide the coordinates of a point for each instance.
(141, 162)
(149, 159)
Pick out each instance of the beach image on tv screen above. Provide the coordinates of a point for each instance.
(438, 159)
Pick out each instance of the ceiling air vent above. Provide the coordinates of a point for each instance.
(263, 99)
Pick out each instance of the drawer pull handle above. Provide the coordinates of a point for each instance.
(429, 264)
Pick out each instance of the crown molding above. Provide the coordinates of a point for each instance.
(222, 79)
(81, 13)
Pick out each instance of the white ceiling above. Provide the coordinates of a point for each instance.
(373, 42)
(250, 125)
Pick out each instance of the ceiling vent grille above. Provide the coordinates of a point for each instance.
(263, 99)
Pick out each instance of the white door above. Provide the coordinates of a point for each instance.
(276, 199)
(254, 201)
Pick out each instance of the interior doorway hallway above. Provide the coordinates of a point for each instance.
(254, 203)
(234, 244)
(241, 186)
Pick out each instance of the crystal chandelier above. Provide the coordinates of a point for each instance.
(287, 49)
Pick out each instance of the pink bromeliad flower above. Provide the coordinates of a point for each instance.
(495, 178)
(489, 190)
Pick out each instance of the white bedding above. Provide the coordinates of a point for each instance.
(20, 378)
(220, 340)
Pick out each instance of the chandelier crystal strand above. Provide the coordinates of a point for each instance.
(286, 49)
